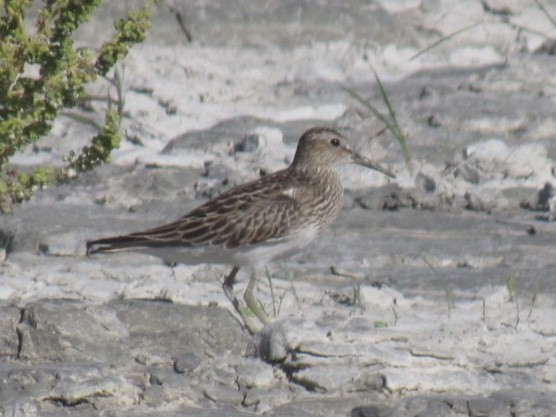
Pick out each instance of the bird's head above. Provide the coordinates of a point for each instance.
(324, 147)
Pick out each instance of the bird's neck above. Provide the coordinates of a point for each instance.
(324, 189)
(316, 171)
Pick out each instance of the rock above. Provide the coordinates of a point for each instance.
(527, 160)
(218, 138)
(9, 338)
(483, 199)
(494, 159)
(366, 411)
(468, 173)
(500, 404)
(91, 386)
(331, 379)
(388, 197)
(383, 297)
(186, 362)
(263, 400)
(62, 244)
(495, 407)
(253, 373)
(121, 331)
(19, 407)
(249, 143)
(53, 331)
(540, 200)
(552, 209)
(425, 183)
(224, 394)
(270, 344)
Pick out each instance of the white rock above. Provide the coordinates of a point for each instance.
(489, 150)
(526, 160)
(383, 297)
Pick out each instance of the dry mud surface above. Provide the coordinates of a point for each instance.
(432, 295)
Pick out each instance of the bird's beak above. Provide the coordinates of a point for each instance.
(361, 160)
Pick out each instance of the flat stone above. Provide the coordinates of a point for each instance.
(53, 331)
(224, 394)
(9, 339)
(489, 407)
(253, 373)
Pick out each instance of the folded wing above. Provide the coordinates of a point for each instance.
(257, 212)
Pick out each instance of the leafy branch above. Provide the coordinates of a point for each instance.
(42, 73)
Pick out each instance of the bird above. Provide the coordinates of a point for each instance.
(267, 219)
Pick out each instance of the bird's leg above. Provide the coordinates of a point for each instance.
(228, 287)
(252, 302)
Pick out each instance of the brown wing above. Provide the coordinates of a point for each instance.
(248, 214)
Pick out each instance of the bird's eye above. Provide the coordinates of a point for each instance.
(335, 142)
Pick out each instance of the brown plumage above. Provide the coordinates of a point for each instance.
(259, 221)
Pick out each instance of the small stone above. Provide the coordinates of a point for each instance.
(216, 171)
(270, 344)
(468, 173)
(495, 407)
(425, 182)
(540, 200)
(526, 160)
(552, 209)
(484, 200)
(62, 244)
(186, 363)
(220, 393)
(22, 407)
(255, 373)
(248, 143)
(365, 411)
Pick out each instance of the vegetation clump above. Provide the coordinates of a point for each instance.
(42, 74)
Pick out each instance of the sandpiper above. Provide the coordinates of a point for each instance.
(257, 222)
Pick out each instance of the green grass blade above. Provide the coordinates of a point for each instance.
(391, 122)
(444, 39)
(368, 106)
(395, 126)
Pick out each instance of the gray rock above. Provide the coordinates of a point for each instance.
(253, 373)
(9, 337)
(489, 407)
(224, 394)
(70, 331)
(425, 183)
(97, 388)
(552, 209)
(499, 404)
(540, 200)
(223, 136)
(19, 407)
(186, 362)
(483, 200)
(366, 411)
(270, 343)
(468, 173)
(389, 197)
(248, 143)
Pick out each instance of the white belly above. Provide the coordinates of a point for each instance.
(256, 255)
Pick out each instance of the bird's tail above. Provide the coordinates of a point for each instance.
(114, 244)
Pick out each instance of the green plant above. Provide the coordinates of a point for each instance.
(390, 121)
(42, 73)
